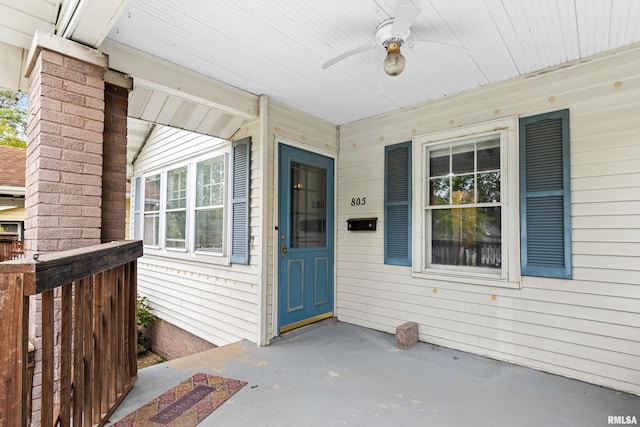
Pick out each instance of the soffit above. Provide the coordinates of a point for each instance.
(277, 48)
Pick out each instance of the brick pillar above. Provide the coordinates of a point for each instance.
(114, 176)
(63, 197)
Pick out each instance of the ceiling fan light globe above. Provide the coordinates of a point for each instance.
(394, 63)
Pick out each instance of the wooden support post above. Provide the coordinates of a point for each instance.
(65, 356)
(47, 358)
(13, 350)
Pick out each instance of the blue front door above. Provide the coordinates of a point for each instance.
(305, 238)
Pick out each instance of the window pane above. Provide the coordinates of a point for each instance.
(209, 230)
(489, 154)
(137, 188)
(210, 182)
(136, 226)
(489, 187)
(152, 193)
(176, 229)
(466, 236)
(177, 188)
(151, 229)
(463, 191)
(462, 158)
(439, 191)
(9, 228)
(439, 162)
(308, 206)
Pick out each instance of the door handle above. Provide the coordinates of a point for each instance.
(283, 250)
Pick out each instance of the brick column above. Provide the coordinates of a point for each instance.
(114, 176)
(63, 197)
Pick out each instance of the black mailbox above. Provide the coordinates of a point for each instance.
(362, 224)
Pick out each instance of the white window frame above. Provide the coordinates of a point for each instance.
(145, 211)
(189, 252)
(165, 210)
(509, 273)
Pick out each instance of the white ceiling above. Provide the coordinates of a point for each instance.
(277, 47)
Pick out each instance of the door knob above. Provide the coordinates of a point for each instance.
(283, 250)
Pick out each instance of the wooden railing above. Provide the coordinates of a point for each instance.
(10, 246)
(455, 252)
(93, 292)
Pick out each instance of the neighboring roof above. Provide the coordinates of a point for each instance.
(13, 167)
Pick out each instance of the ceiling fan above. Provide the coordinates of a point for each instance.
(391, 34)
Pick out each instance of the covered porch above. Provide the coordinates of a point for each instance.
(337, 373)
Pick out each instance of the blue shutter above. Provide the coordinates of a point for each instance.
(545, 197)
(397, 204)
(241, 168)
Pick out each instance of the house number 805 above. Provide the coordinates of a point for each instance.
(357, 201)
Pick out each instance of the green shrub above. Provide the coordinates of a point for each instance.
(144, 318)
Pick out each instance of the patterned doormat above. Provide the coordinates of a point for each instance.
(186, 404)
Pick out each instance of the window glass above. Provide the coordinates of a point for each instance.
(439, 162)
(210, 182)
(152, 193)
(464, 210)
(209, 230)
(209, 217)
(176, 215)
(308, 206)
(177, 188)
(152, 210)
(466, 236)
(184, 208)
(462, 158)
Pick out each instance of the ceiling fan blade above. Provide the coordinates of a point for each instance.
(347, 54)
(421, 42)
(405, 15)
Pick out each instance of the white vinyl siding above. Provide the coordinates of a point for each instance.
(216, 302)
(586, 327)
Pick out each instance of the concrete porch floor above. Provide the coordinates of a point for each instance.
(335, 373)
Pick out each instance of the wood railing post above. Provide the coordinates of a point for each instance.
(13, 350)
(47, 358)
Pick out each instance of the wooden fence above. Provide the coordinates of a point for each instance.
(92, 291)
(10, 246)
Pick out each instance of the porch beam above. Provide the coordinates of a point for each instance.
(89, 21)
(173, 79)
(13, 68)
(62, 46)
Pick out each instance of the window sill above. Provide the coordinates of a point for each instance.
(470, 279)
(198, 257)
